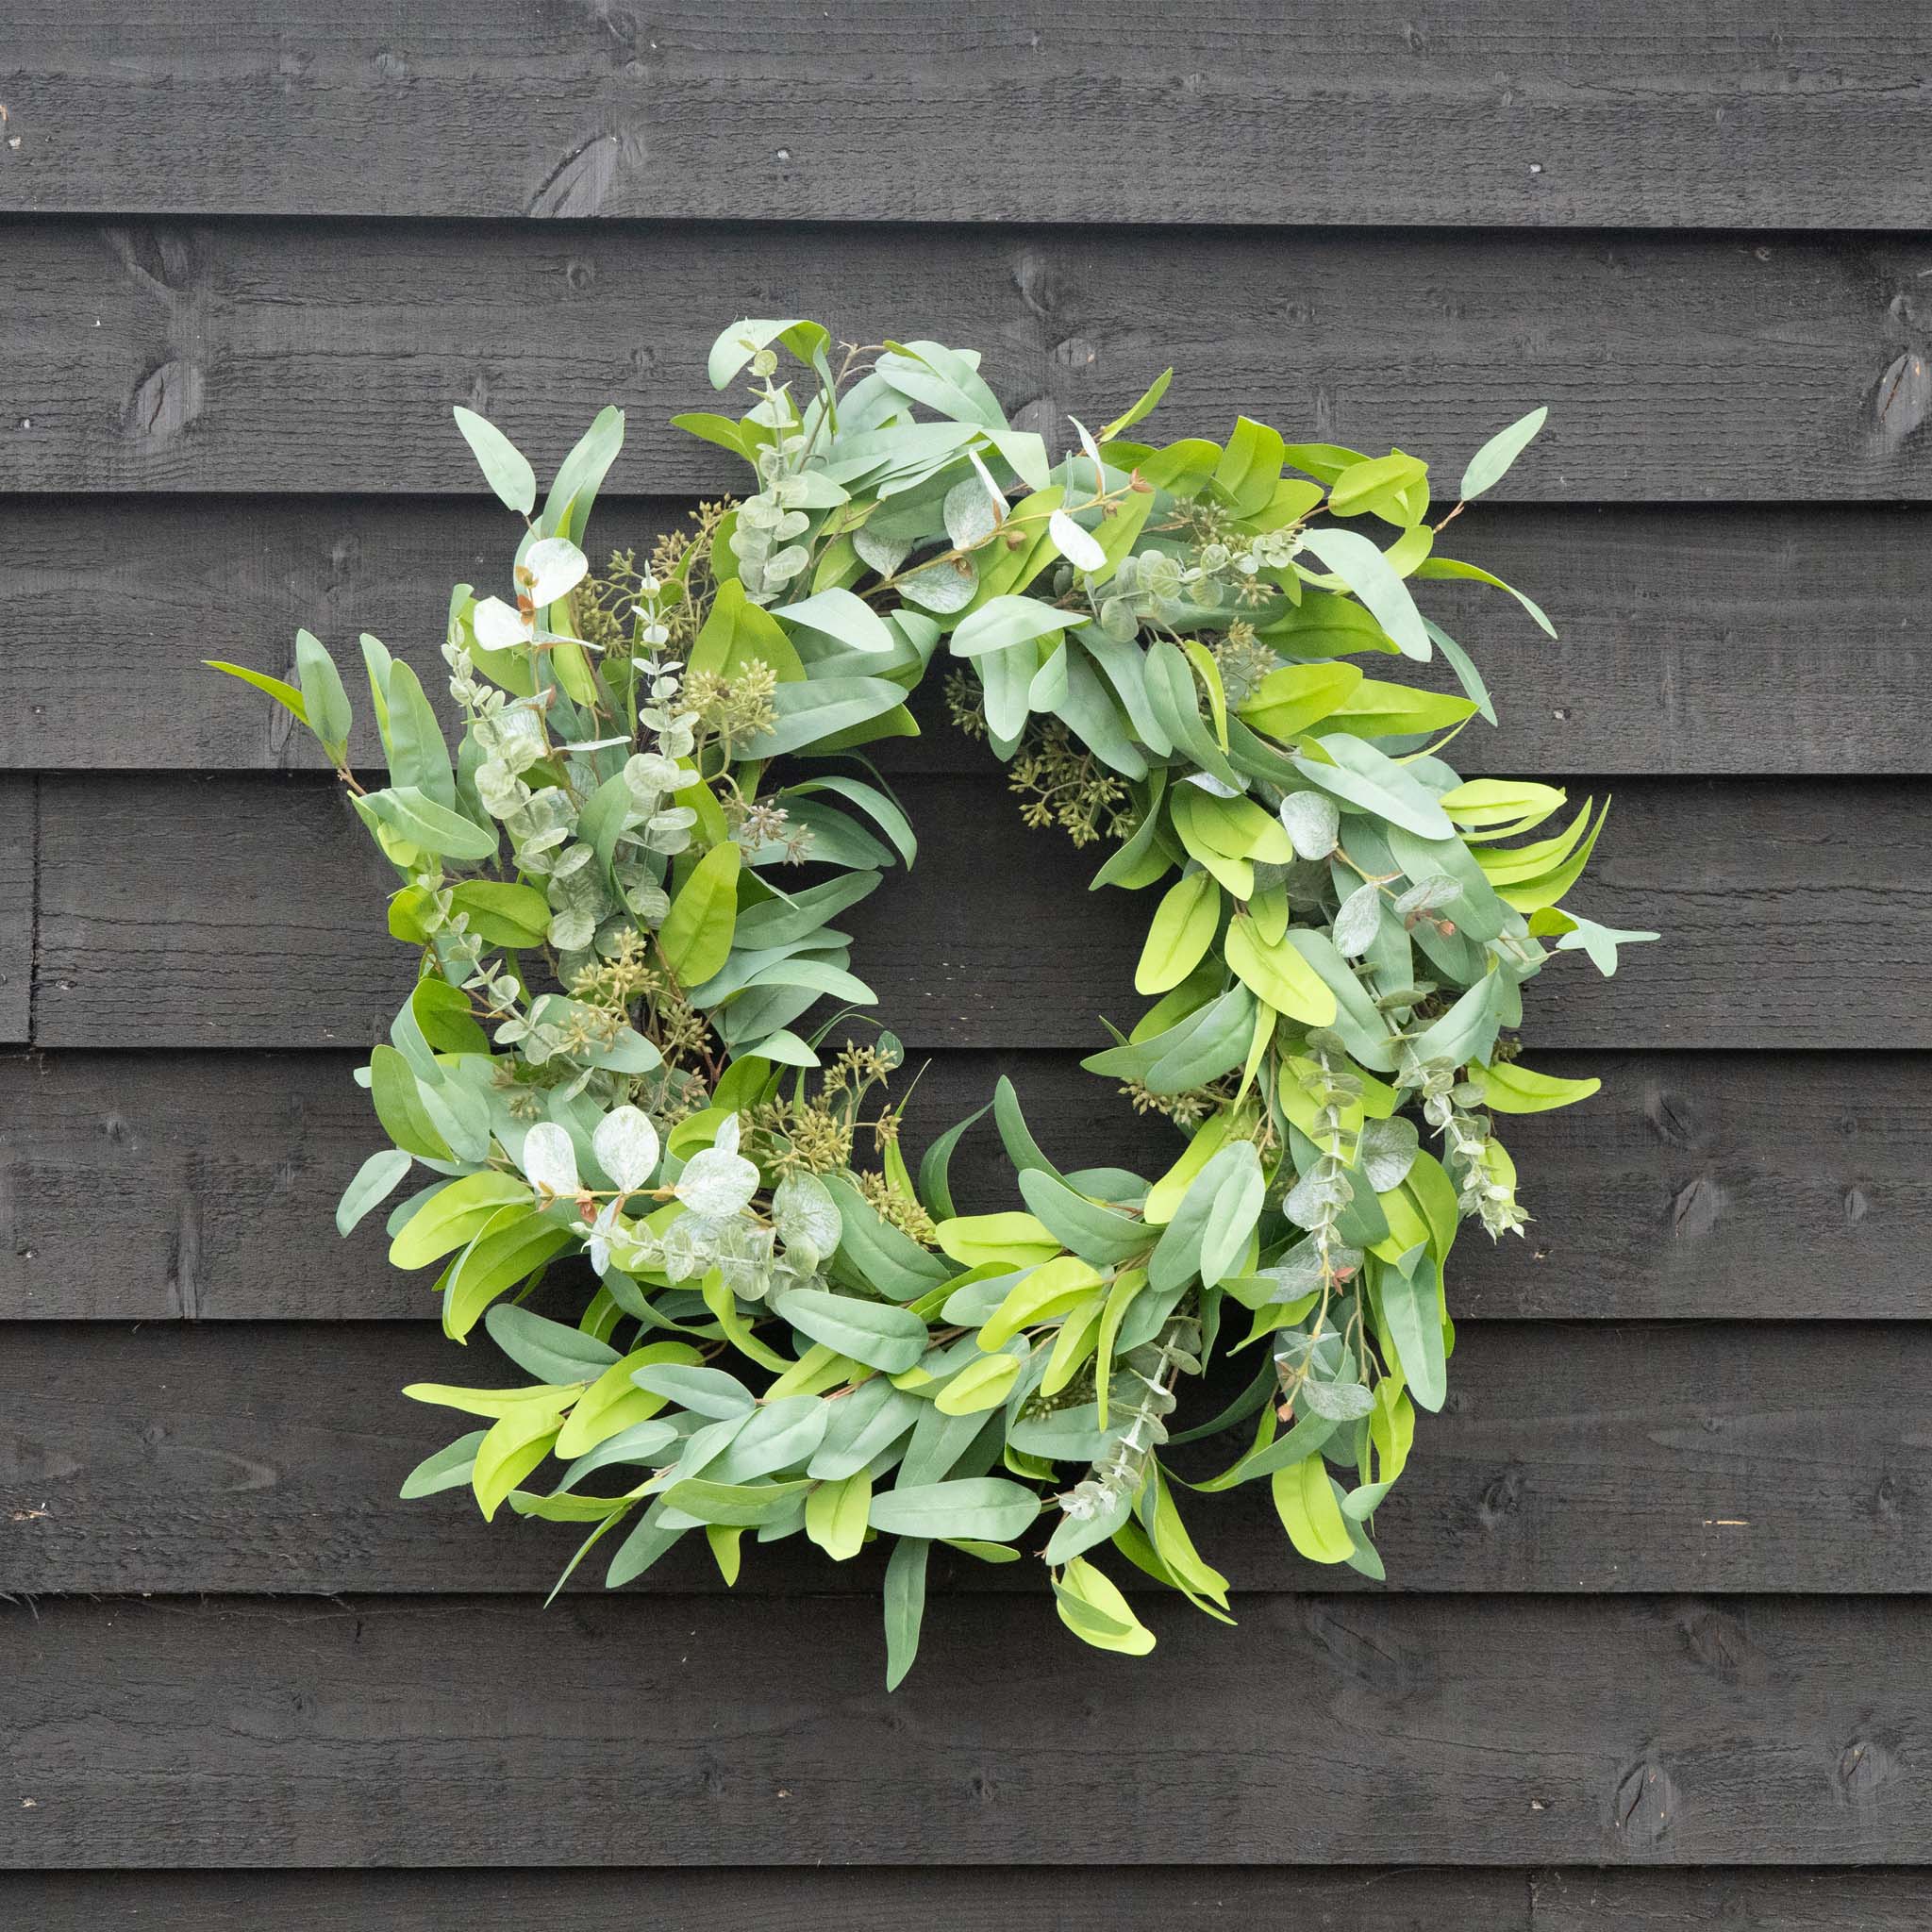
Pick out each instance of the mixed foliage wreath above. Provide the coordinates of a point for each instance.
(623, 885)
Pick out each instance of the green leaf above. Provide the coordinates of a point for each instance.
(1365, 779)
(839, 614)
(284, 694)
(1277, 974)
(988, 1508)
(1376, 709)
(548, 1350)
(1022, 1150)
(1232, 1213)
(1092, 1606)
(1453, 567)
(1376, 485)
(375, 1181)
(891, 1263)
(452, 1216)
(708, 426)
(905, 1607)
(1287, 702)
(1410, 1298)
(448, 1469)
(511, 1447)
(1510, 1087)
(736, 346)
(820, 709)
(1141, 411)
(884, 810)
(738, 632)
(502, 914)
(1183, 928)
(1491, 462)
(835, 1516)
(1311, 1511)
(1362, 567)
(696, 934)
(982, 1384)
(1102, 1236)
(323, 700)
(504, 468)
(1250, 466)
(740, 1505)
(880, 1334)
(1001, 621)
(567, 508)
(412, 814)
(417, 754)
(498, 1258)
(703, 1391)
(935, 1188)
(787, 920)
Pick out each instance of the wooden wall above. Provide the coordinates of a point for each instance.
(1655, 1649)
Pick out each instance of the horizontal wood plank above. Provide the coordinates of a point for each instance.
(245, 912)
(1633, 1900)
(1777, 1457)
(325, 357)
(1696, 640)
(166, 1185)
(1093, 1899)
(17, 817)
(1634, 113)
(981, 1899)
(1432, 1730)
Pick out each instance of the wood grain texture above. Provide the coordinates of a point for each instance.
(170, 1186)
(1773, 1732)
(17, 822)
(1632, 113)
(325, 357)
(1631, 1900)
(244, 912)
(1148, 1899)
(979, 1899)
(1696, 640)
(1773, 1457)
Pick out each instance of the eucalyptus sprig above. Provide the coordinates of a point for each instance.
(631, 1071)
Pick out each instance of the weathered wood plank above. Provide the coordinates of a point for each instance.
(298, 359)
(1149, 1898)
(17, 818)
(243, 913)
(1696, 640)
(1775, 1458)
(153, 1187)
(1631, 1900)
(1636, 113)
(1364, 1729)
(982, 1899)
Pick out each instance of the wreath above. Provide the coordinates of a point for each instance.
(623, 885)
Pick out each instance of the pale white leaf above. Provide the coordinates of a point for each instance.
(625, 1144)
(549, 1160)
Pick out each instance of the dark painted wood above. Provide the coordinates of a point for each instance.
(325, 357)
(1770, 1457)
(1636, 113)
(980, 1899)
(1630, 1901)
(155, 1187)
(1466, 1731)
(246, 911)
(983, 1899)
(1704, 639)
(17, 820)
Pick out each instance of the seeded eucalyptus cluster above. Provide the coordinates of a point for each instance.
(633, 1084)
